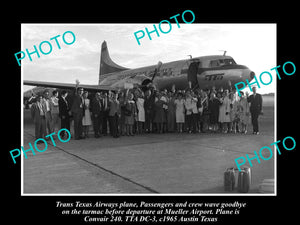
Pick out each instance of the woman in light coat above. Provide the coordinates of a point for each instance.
(224, 116)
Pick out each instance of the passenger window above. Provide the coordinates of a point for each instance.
(214, 63)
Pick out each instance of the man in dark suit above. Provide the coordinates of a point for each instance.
(255, 101)
(64, 110)
(114, 114)
(38, 112)
(77, 112)
(104, 110)
(149, 109)
(97, 106)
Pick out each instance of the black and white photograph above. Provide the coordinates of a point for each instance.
(149, 111)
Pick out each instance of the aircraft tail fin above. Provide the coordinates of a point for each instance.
(106, 63)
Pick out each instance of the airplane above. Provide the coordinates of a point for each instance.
(202, 72)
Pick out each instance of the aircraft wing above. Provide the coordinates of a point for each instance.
(68, 85)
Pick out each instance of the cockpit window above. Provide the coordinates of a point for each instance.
(229, 62)
(214, 63)
(222, 62)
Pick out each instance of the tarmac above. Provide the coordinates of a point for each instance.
(169, 163)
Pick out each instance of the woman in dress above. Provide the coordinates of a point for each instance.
(130, 113)
(179, 112)
(140, 112)
(224, 117)
(244, 112)
(86, 119)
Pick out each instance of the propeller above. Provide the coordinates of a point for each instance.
(146, 83)
(159, 64)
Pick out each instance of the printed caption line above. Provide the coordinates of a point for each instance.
(102, 168)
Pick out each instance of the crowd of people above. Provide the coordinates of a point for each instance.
(135, 112)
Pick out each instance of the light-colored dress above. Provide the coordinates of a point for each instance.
(225, 107)
(86, 119)
(141, 110)
(244, 111)
(234, 116)
(179, 105)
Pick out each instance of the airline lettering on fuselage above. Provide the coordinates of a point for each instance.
(218, 76)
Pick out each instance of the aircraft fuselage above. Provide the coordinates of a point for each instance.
(201, 72)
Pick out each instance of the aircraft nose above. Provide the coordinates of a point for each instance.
(247, 74)
(252, 74)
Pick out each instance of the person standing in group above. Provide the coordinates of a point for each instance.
(164, 98)
(171, 112)
(55, 110)
(38, 112)
(149, 109)
(122, 101)
(234, 116)
(105, 111)
(204, 119)
(86, 119)
(129, 112)
(159, 115)
(77, 112)
(256, 102)
(179, 112)
(244, 112)
(96, 107)
(114, 114)
(224, 116)
(48, 114)
(198, 95)
(191, 112)
(140, 111)
(64, 112)
(213, 107)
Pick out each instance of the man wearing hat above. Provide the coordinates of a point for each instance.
(77, 112)
(255, 101)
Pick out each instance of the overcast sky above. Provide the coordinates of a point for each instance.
(253, 45)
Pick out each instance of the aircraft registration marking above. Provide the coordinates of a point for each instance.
(218, 76)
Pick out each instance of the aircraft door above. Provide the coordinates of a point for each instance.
(192, 74)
